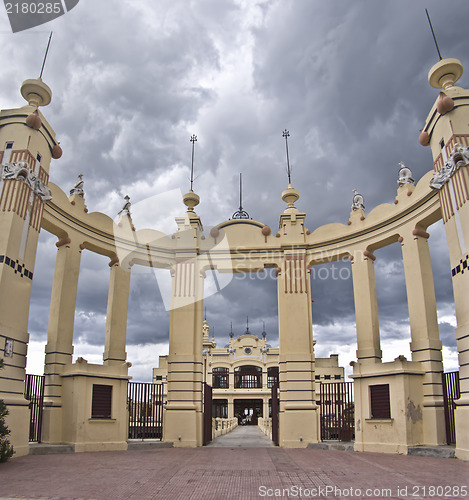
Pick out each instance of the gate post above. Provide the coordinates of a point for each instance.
(183, 416)
(298, 416)
(426, 344)
(448, 132)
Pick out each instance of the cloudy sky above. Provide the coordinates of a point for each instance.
(132, 80)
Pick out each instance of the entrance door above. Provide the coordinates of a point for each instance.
(337, 411)
(248, 411)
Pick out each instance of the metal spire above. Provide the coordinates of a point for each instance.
(433, 33)
(205, 314)
(231, 330)
(45, 55)
(193, 140)
(247, 324)
(240, 214)
(286, 134)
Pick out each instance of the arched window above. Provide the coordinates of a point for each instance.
(248, 377)
(220, 378)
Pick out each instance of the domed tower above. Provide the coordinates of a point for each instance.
(27, 145)
(447, 133)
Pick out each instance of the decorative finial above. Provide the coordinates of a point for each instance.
(78, 186)
(126, 207)
(358, 202)
(286, 135)
(205, 314)
(45, 56)
(247, 326)
(231, 330)
(433, 33)
(405, 175)
(240, 214)
(193, 139)
(264, 333)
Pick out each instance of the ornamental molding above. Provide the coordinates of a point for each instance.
(19, 171)
(458, 158)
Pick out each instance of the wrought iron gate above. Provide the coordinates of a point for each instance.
(337, 411)
(275, 413)
(451, 392)
(145, 403)
(34, 393)
(207, 437)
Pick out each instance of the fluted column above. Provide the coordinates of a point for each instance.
(298, 410)
(366, 307)
(426, 344)
(116, 316)
(184, 411)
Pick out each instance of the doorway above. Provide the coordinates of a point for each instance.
(248, 411)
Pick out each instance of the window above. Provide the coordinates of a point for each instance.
(248, 377)
(220, 378)
(220, 408)
(101, 401)
(379, 401)
(272, 376)
(7, 152)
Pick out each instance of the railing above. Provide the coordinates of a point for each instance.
(145, 403)
(337, 411)
(451, 392)
(248, 381)
(221, 426)
(265, 425)
(34, 393)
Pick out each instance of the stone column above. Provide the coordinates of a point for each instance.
(298, 411)
(426, 344)
(184, 410)
(116, 316)
(366, 307)
(59, 347)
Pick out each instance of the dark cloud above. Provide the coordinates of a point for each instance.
(349, 80)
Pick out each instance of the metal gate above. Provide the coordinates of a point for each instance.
(207, 437)
(275, 413)
(34, 393)
(451, 392)
(337, 411)
(145, 403)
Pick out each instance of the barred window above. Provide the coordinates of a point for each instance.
(220, 378)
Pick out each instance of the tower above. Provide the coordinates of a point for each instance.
(28, 144)
(447, 133)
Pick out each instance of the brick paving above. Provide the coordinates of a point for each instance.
(221, 473)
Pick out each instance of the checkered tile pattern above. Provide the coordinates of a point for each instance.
(461, 267)
(16, 266)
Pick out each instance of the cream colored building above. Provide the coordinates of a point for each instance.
(398, 405)
(243, 372)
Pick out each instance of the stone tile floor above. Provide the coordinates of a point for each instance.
(231, 473)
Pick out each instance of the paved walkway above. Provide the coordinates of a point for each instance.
(244, 436)
(213, 473)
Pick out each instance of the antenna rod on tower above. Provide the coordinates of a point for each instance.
(45, 55)
(240, 192)
(286, 134)
(193, 140)
(433, 33)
